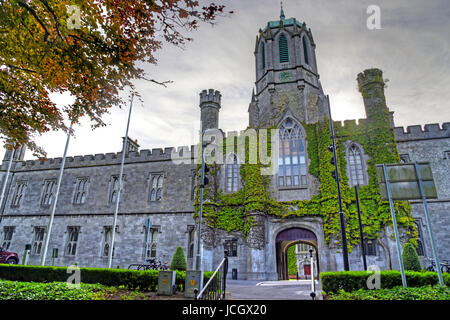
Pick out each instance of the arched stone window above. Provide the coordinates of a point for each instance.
(47, 196)
(156, 184)
(18, 194)
(114, 189)
(232, 174)
(81, 190)
(263, 56)
(292, 166)
(355, 164)
(306, 50)
(283, 49)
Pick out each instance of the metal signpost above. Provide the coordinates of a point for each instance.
(408, 181)
(427, 215)
(394, 222)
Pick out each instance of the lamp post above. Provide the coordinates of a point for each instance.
(204, 181)
(336, 177)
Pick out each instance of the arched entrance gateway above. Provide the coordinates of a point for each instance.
(288, 238)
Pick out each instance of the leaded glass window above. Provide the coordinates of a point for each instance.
(18, 194)
(72, 240)
(107, 238)
(37, 240)
(81, 189)
(355, 165)
(370, 247)
(48, 192)
(8, 232)
(151, 242)
(232, 174)
(156, 185)
(231, 247)
(292, 166)
(114, 190)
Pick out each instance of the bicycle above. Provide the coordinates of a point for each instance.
(445, 266)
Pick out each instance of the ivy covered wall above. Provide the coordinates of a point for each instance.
(234, 212)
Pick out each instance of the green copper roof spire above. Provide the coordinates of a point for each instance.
(282, 17)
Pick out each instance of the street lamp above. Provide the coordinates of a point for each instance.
(335, 175)
(204, 181)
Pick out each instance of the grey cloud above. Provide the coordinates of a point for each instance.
(412, 49)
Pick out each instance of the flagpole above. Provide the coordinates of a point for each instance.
(113, 238)
(55, 200)
(6, 180)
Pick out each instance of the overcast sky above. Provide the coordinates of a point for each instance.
(412, 48)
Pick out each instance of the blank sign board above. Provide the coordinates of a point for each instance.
(404, 182)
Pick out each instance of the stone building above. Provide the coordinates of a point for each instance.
(288, 95)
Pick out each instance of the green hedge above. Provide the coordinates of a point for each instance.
(133, 279)
(333, 282)
(396, 293)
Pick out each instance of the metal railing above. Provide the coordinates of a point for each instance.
(215, 288)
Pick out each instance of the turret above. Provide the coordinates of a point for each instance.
(210, 106)
(287, 79)
(371, 85)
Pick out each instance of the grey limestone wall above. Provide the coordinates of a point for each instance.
(431, 144)
(130, 237)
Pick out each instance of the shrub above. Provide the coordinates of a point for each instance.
(333, 282)
(14, 290)
(411, 258)
(132, 279)
(396, 293)
(178, 260)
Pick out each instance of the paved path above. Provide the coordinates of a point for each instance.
(270, 290)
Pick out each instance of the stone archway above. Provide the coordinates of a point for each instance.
(287, 238)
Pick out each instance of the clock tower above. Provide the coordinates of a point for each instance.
(287, 80)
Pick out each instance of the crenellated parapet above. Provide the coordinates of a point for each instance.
(102, 159)
(210, 103)
(429, 131)
(210, 96)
